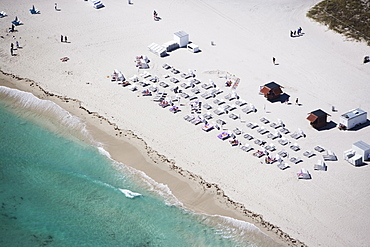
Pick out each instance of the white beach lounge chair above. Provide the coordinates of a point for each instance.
(320, 166)
(303, 174)
(319, 149)
(262, 130)
(246, 148)
(219, 111)
(283, 141)
(259, 142)
(240, 103)
(275, 135)
(284, 130)
(132, 88)
(252, 125)
(145, 74)
(283, 154)
(264, 120)
(295, 147)
(295, 160)
(308, 154)
(330, 156)
(278, 124)
(282, 166)
(296, 135)
(248, 136)
(270, 147)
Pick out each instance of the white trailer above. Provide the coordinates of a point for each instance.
(353, 118)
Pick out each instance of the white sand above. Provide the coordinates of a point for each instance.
(320, 68)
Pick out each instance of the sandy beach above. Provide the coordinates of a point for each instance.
(320, 68)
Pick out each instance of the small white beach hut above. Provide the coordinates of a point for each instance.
(182, 38)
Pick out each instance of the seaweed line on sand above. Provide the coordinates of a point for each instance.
(159, 158)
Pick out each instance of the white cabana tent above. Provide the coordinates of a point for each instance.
(359, 153)
(182, 38)
(157, 49)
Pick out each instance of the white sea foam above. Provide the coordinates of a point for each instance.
(38, 110)
(104, 152)
(150, 184)
(160, 189)
(237, 229)
(129, 193)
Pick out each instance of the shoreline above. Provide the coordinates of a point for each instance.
(209, 197)
(320, 68)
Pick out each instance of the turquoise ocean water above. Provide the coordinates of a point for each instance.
(56, 190)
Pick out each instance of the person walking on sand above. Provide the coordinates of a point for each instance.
(299, 31)
(155, 14)
(296, 101)
(17, 44)
(273, 60)
(65, 39)
(55, 6)
(61, 38)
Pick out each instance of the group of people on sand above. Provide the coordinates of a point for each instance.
(156, 17)
(12, 48)
(296, 33)
(63, 39)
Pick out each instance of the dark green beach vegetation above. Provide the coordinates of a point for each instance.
(350, 18)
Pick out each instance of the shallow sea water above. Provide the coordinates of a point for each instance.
(58, 191)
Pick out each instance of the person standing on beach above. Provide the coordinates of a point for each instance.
(296, 101)
(273, 60)
(17, 44)
(55, 6)
(11, 48)
(65, 39)
(299, 31)
(61, 38)
(155, 15)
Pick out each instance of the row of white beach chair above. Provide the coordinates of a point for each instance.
(262, 130)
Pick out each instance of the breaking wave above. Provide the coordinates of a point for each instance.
(44, 112)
